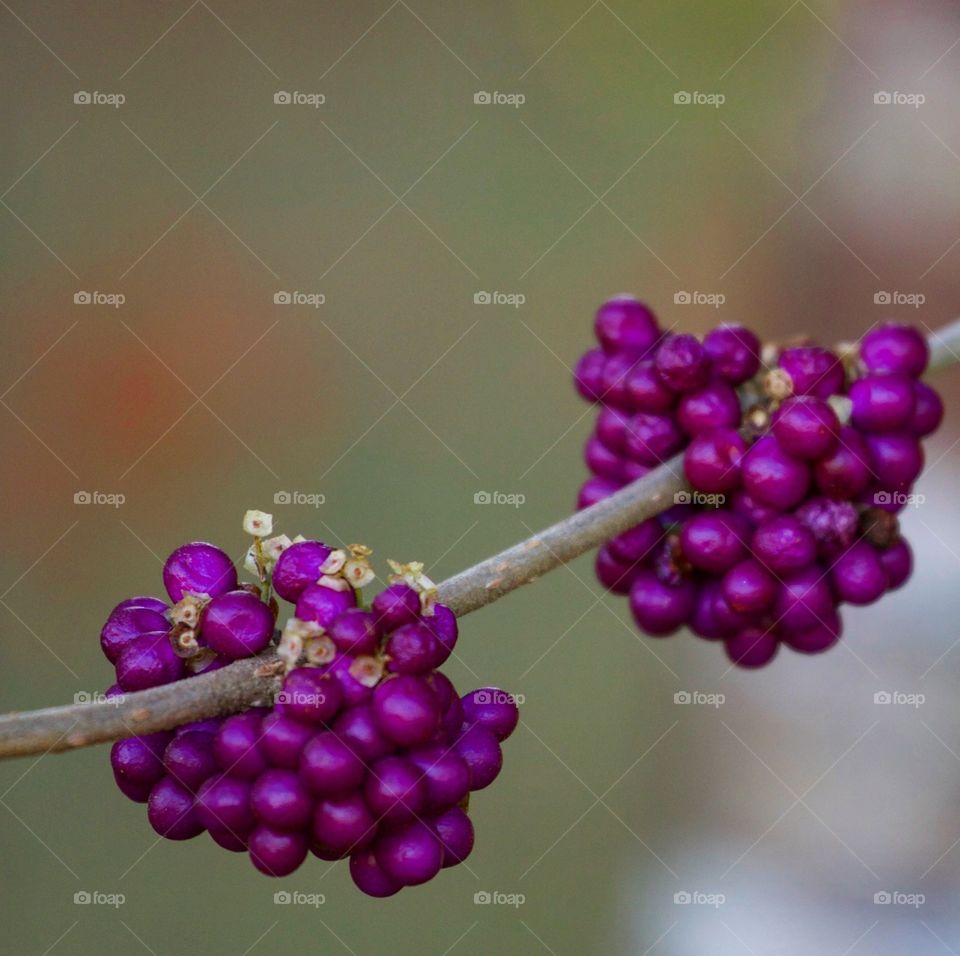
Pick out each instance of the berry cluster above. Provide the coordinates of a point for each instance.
(368, 752)
(799, 460)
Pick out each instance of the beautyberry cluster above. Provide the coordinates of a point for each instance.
(799, 459)
(368, 751)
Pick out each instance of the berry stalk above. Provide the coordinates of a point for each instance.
(254, 681)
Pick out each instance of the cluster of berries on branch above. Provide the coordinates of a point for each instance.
(367, 753)
(800, 459)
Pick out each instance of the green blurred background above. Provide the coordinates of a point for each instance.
(399, 199)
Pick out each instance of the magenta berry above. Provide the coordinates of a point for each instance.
(406, 710)
(299, 567)
(171, 811)
(237, 624)
(894, 349)
(734, 353)
(199, 568)
(681, 363)
(806, 427)
(492, 708)
(322, 604)
(625, 325)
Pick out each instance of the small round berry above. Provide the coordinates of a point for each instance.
(734, 353)
(594, 490)
(358, 729)
(704, 621)
(329, 767)
(752, 647)
(198, 568)
(658, 608)
(279, 799)
(894, 349)
(396, 605)
(411, 855)
(616, 576)
(344, 824)
(223, 803)
(171, 811)
(784, 545)
(492, 708)
(806, 427)
(681, 363)
(601, 460)
(139, 760)
(310, 695)
(927, 411)
(276, 852)
(749, 587)
(237, 624)
(445, 772)
(412, 649)
(882, 403)
(189, 759)
(355, 631)
(636, 543)
(237, 745)
(897, 561)
(813, 371)
(753, 511)
(234, 842)
(716, 405)
(127, 623)
(154, 603)
(616, 373)
(481, 752)
(148, 661)
(772, 476)
(323, 605)
(645, 391)
(804, 600)
(714, 541)
(712, 461)
(395, 789)
(588, 375)
(858, 574)
(896, 460)
(406, 710)
(833, 524)
(652, 439)
(846, 471)
(370, 878)
(282, 739)
(612, 428)
(443, 623)
(818, 638)
(625, 325)
(455, 832)
(298, 567)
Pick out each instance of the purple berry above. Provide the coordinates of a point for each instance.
(897, 561)
(616, 576)
(189, 759)
(806, 427)
(705, 621)
(236, 745)
(282, 740)
(894, 349)
(199, 568)
(455, 832)
(784, 545)
(127, 623)
(139, 760)
(323, 605)
(846, 471)
(223, 803)
(681, 363)
(636, 543)
(355, 631)
(279, 799)
(481, 752)
(588, 375)
(412, 649)
(804, 600)
(813, 371)
(310, 695)
(750, 509)
(395, 606)
(714, 406)
(734, 353)
(772, 476)
(858, 574)
(351, 674)
(171, 811)
(155, 604)
(443, 623)
(411, 855)
(833, 524)
(818, 638)
(652, 439)
(616, 373)
(714, 541)
(370, 878)
(612, 428)
(395, 789)
(148, 661)
(752, 647)
(882, 403)
(343, 824)
(276, 852)
(927, 411)
(329, 767)
(601, 460)
(645, 391)
(594, 490)
(658, 608)
(492, 708)
(749, 587)
(358, 729)
(625, 325)
(234, 842)
(298, 567)
(406, 710)
(446, 775)
(713, 459)
(896, 460)
(237, 624)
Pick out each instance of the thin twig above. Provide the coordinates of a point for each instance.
(255, 681)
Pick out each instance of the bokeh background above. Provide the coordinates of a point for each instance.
(800, 200)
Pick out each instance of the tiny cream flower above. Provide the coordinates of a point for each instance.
(335, 561)
(366, 670)
(187, 610)
(842, 406)
(250, 561)
(319, 650)
(334, 583)
(258, 523)
(358, 572)
(274, 547)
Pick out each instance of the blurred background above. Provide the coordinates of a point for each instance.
(268, 255)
